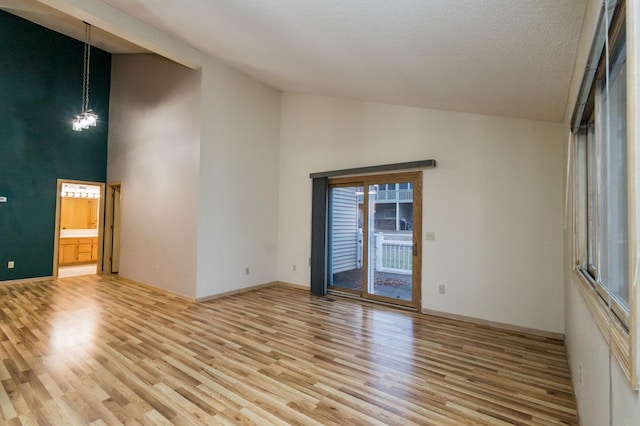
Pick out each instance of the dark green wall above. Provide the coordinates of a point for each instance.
(40, 93)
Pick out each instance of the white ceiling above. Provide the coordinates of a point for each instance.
(511, 58)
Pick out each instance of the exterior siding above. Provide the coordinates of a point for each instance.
(344, 230)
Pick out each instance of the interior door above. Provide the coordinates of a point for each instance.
(374, 237)
(115, 235)
(112, 229)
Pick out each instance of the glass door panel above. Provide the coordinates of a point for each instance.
(345, 238)
(390, 241)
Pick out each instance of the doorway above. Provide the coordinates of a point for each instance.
(374, 228)
(112, 229)
(78, 235)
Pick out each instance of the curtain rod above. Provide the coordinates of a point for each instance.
(422, 164)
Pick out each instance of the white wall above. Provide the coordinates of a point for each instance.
(588, 351)
(494, 200)
(586, 347)
(238, 206)
(154, 134)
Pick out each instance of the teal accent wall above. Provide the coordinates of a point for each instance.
(40, 93)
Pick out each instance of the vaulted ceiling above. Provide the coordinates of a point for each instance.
(511, 58)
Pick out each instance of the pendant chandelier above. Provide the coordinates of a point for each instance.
(87, 117)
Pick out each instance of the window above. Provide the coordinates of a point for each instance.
(603, 196)
(390, 212)
(601, 187)
(613, 229)
(591, 199)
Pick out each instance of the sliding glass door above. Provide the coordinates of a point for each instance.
(374, 237)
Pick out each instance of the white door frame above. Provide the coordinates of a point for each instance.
(57, 224)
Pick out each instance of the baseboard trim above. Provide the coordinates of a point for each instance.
(191, 299)
(232, 292)
(494, 324)
(150, 286)
(293, 285)
(27, 280)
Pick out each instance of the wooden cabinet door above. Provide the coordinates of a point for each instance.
(84, 256)
(94, 249)
(92, 218)
(68, 251)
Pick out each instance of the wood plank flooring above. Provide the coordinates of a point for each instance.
(96, 350)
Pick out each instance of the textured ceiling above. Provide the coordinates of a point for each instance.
(500, 57)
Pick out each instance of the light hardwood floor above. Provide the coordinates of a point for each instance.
(76, 270)
(94, 349)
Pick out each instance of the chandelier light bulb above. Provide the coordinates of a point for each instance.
(76, 125)
(91, 118)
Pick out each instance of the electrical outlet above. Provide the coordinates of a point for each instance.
(441, 288)
(11, 264)
(430, 236)
(246, 271)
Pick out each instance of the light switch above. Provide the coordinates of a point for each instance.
(430, 236)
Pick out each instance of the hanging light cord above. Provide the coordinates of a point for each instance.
(86, 60)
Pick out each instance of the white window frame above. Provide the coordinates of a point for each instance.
(618, 324)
